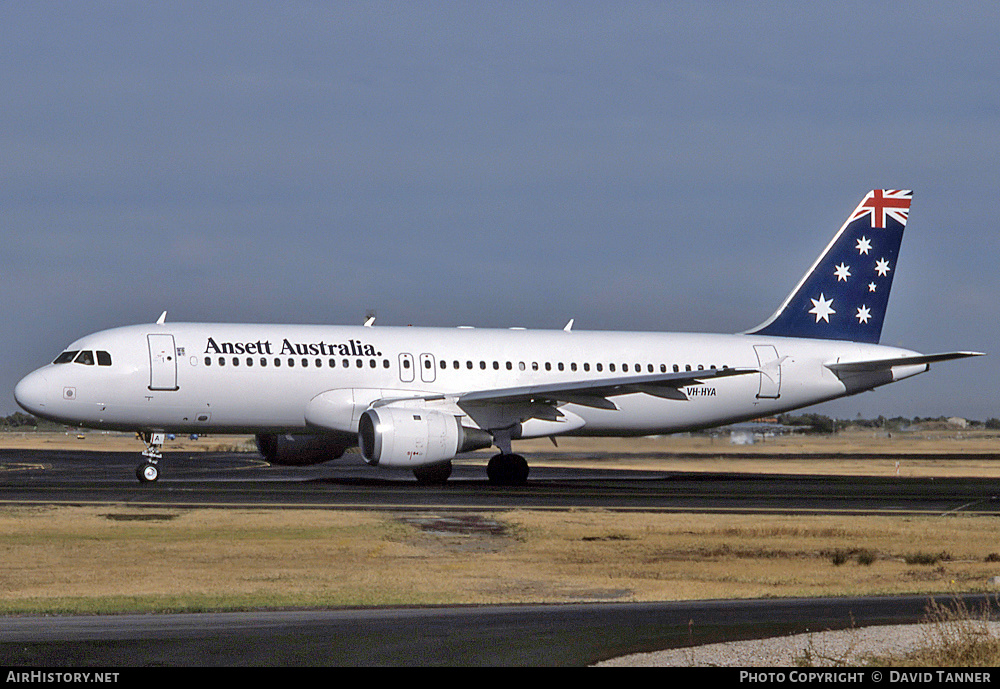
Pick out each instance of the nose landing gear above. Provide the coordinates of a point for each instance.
(149, 471)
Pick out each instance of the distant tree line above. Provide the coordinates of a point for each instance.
(18, 420)
(817, 423)
(809, 423)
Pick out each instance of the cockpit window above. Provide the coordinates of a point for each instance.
(66, 357)
(103, 359)
(85, 357)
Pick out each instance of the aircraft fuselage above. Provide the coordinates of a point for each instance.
(230, 378)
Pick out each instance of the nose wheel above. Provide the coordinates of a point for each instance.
(149, 471)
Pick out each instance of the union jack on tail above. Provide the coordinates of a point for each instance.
(845, 293)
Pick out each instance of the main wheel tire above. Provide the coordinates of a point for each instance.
(507, 470)
(434, 474)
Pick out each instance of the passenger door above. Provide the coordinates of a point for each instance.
(406, 368)
(770, 372)
(427, 370)
(162, 362)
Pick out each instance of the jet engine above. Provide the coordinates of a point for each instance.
(300, 450)
(411, 437)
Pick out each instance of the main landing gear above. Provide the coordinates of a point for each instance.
(149, 471)
(507, 469)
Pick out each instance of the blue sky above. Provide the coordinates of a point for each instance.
(639, 166)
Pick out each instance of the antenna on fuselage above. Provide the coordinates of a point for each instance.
(369, 318)
(569, 326)
(162, 319)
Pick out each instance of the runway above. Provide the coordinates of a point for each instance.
(243, 479)
(560, 635)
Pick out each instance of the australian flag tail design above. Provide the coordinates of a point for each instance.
(845, 293)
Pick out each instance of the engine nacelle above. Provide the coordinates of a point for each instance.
(300, 450)
(414, 436)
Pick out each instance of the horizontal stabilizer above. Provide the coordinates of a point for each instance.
(885, 364)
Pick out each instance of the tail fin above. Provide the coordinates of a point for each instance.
(845, 293)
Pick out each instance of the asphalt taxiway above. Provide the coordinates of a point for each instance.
(531, 635)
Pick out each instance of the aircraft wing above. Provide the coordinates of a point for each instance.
(886, 364)
(595, 393)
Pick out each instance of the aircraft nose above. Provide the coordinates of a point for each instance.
(32, 392)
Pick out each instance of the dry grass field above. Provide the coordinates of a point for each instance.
(119, 557)
(125, 558)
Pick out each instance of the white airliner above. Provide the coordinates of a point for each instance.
(415, 398)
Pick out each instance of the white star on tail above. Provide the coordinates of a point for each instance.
(842, 272)
(863, 314)
(821, 308)
(882, 267)
(864, 244)
(871, 286)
